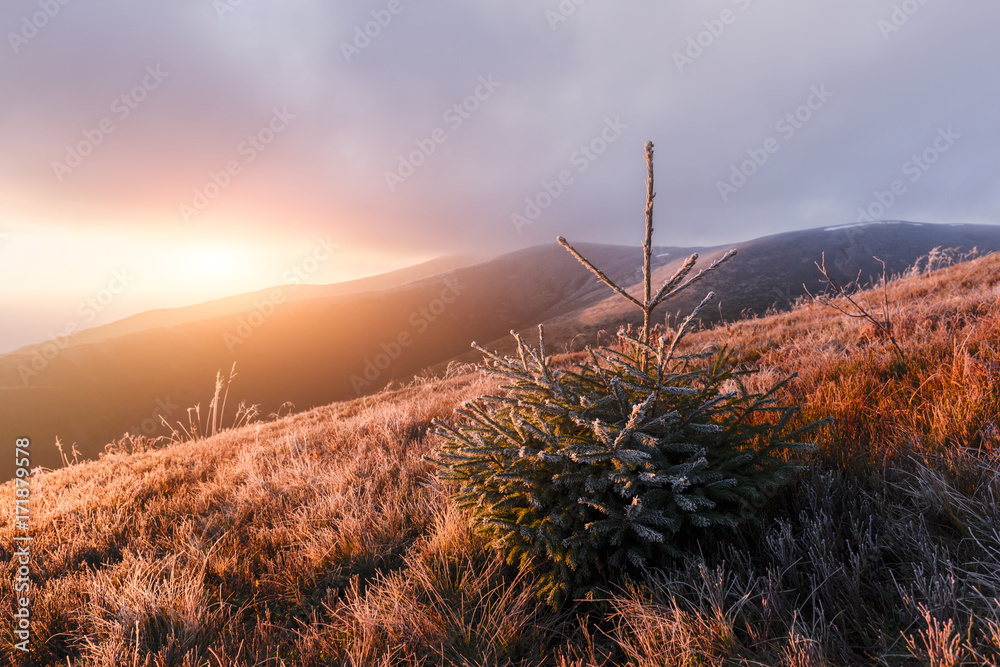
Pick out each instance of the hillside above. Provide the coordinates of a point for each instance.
(345, 341)
(323, 538)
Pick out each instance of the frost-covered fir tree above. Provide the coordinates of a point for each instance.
(598, 470)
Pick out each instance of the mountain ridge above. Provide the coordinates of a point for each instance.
(311, 351)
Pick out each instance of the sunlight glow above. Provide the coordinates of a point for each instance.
(58, 268)
(211, 263)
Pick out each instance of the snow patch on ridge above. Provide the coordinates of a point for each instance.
(867, 224)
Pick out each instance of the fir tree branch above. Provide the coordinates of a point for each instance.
(597, 272)
(660, 298)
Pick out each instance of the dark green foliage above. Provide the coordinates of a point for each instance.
(604, 469)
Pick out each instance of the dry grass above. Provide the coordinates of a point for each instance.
(324, 538)
(944, 396)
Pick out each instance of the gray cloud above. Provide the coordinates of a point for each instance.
(558, 87)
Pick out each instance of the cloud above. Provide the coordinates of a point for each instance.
(754, 62)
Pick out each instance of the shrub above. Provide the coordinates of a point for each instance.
(613, 464)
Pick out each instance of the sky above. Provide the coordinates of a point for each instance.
(157, 154)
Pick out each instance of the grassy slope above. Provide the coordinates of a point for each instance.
(323, 538)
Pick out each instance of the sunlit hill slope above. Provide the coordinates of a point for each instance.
(325, 538)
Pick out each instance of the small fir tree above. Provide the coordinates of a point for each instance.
(607, 467)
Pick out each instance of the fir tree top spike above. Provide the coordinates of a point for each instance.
(671, 287)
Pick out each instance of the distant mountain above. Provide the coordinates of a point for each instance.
(769, 272)
(329, 343)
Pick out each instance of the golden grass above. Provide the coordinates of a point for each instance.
(944, 396)
(324, 538)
